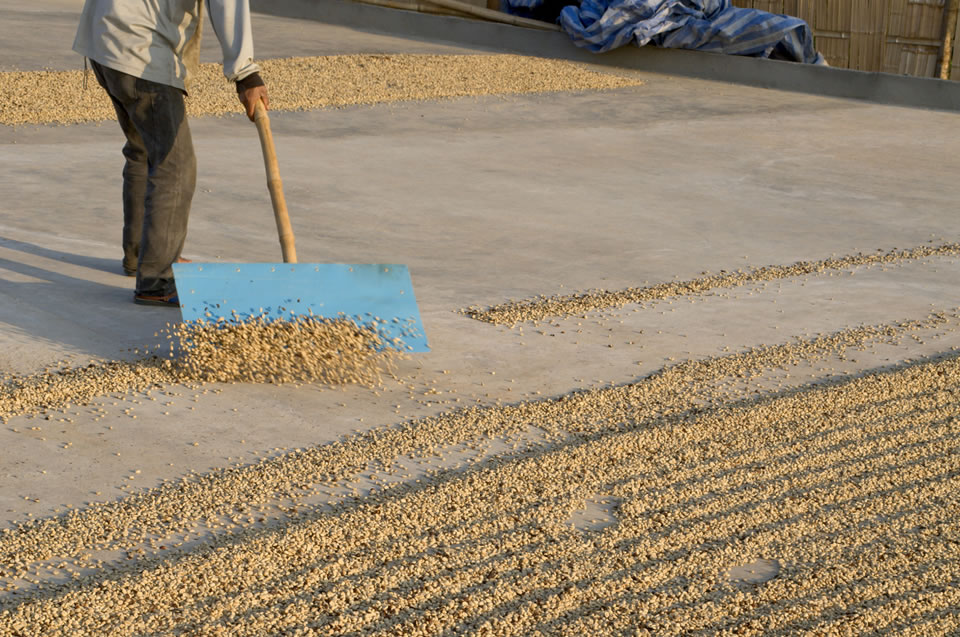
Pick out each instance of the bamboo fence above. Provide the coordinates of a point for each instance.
(892, 36)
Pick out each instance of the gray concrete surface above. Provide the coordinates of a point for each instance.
(485, 200)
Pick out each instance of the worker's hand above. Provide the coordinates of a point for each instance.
(251, 96)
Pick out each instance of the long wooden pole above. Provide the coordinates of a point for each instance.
(495, 16)
(275, 184)
(393, 4)
(953, 9)
(468, 9)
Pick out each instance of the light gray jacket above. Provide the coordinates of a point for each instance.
(159, 40)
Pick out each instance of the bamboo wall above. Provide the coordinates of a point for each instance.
(893, 36)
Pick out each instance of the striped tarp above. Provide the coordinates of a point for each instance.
(704, 25)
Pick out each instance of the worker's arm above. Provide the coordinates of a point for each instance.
(230, 20)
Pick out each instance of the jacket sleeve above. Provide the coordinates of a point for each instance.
(230, 20)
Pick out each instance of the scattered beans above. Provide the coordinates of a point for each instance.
(542, 307)
(43, 97)
(849, 485)
(303, 349)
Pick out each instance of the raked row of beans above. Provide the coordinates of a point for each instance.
(850, 485)
(296, 84)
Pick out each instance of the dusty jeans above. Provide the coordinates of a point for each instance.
(158, 179)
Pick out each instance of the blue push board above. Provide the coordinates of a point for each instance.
(372, 294)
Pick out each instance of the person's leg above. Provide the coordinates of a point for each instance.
(134, 201)
(158, 114)
(134, 170)
(161, 119)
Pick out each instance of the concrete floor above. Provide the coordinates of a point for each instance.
(485, 199)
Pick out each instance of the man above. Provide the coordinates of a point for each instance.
(144, 54)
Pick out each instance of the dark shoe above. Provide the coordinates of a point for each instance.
(169, 300)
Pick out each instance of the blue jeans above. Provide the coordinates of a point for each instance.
(159, 176)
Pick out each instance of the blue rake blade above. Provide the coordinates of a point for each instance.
(379, 293)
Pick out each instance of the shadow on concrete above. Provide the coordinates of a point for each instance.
(89, 316)
(66, 294)
(94, 263)
(521, 549)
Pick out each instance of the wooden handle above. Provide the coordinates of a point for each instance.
(491, 15)
(494, 16)
(274, 184)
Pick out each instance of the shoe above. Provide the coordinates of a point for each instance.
(169, 300)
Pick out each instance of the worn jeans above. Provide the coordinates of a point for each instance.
(159, 176)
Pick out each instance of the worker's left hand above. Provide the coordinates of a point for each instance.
(251, 96)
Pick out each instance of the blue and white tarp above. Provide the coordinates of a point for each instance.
(703, 25)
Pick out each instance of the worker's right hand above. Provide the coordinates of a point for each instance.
(251, 96)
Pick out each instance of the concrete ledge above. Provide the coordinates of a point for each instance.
(881, 88)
